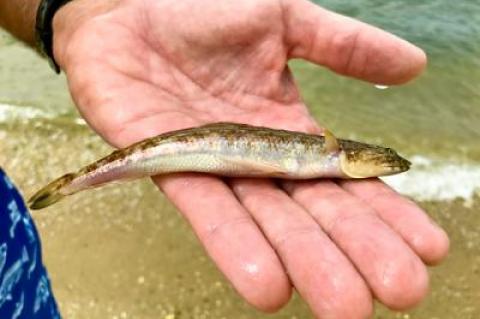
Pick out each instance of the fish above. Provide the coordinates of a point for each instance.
(230, 150)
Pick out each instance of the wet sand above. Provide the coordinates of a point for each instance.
(124, 252)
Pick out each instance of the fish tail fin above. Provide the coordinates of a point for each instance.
(51, 193)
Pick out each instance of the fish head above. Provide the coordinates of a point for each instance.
(360, 160)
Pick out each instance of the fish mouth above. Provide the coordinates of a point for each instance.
(398, 165)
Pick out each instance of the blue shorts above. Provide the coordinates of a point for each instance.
(25, 290)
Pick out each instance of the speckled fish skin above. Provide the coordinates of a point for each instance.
(228, 149)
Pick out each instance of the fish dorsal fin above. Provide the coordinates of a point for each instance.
(331, 142)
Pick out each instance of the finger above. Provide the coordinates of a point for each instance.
(396, 275)
(348, 46)
(428, 240)
(231, 238)
(319, 271)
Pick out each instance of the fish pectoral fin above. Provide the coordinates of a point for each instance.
(256, 168)
(331, 142)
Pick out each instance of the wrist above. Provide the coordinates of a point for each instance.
(43, 28)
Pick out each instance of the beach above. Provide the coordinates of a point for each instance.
(123, 251)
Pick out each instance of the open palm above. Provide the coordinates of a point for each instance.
(138, 68)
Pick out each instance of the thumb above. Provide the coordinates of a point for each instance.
(348, 46)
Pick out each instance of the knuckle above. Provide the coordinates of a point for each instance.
(251, 196)
(345, 49)
(216, 230)
(290, 237)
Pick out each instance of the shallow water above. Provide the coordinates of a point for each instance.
(123, 251)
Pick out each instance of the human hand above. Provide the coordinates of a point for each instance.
(137, 68)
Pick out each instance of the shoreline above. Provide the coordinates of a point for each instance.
(148, 264)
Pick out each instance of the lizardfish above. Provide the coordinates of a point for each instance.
(235, 150)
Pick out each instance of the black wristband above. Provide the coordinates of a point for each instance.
(44, 31)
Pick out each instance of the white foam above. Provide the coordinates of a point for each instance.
(432, 179)
(13, 112)
(9, 112)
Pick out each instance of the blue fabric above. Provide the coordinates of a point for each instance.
(25, 290)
